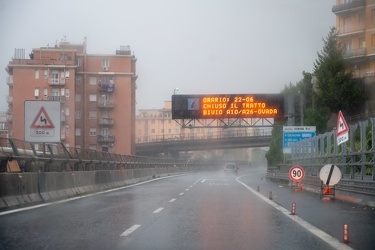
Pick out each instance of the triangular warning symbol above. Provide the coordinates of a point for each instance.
(342, 127)
(42, 120)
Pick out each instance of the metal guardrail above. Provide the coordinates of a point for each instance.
(353, 186)
(355, 158)
(17, 155)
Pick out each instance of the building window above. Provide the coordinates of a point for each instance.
(67, 92)
(78, 80)
(78, 131)
(78, 115)
(36, 93)
(78, 62)
(67, 111)
(67, 129)
(55, 92)
(92, 114)
(92, 131)
(37, 74)
(55, 77)
(67, 74)
(105, 63)
(153, 131)
(45, 92)
(78, 97)
(92, 80)
(92, 147)
(45, 74)
(92, 98)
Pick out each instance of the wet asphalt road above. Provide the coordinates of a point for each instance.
(208, 210)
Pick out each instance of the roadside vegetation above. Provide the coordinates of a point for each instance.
(330, 88)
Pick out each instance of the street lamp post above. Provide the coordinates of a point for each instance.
(175, 91)
(163, 123)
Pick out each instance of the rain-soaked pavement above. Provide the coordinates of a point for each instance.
(208, 210)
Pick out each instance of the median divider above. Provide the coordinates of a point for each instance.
(25, 189)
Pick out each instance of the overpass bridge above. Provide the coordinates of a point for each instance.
(200, 142)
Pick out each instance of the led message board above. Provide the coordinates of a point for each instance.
(228, 106)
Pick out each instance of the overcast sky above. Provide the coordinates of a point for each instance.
(198, 46)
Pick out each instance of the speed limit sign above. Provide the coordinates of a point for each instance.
(296, 173)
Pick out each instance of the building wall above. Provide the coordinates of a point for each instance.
(93, 116)
(355, 23)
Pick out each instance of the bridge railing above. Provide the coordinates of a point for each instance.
(194, 135)
(20, 156)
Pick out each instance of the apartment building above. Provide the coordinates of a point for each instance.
(355, 23)
(96, 92)
(157, 125)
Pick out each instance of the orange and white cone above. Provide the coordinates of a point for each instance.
(346, 234)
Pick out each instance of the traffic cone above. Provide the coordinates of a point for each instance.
(346, 234)
(293, 209)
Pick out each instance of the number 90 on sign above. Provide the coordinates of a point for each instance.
(296, 173)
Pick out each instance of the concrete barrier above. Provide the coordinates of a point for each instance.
(24, 189)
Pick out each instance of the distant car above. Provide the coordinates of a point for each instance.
(231, 168)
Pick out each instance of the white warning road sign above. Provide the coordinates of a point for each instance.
(42, 121)
(42, 125)
(342, 129)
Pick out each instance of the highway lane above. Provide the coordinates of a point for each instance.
(198, 211)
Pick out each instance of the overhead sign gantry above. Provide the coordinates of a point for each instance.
(228, 106)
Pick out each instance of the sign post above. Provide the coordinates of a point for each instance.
(342, 130)
(330, 175)
(42, 121)
(296, 174)
(292, 134)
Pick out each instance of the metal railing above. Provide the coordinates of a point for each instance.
(355, 158)
(193, 135)
(45, 157)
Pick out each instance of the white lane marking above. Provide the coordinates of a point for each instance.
(314, 230)
(130, 230)
(191, 186)
(187, 189)
(203, 180)
(173, 200)
(181, 194)
(158, 210)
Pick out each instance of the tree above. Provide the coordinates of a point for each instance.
(336, 88)
(275, 155)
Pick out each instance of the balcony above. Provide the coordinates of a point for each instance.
(10, 81)
(350, 29)
(106, 138)
(57, 98)
(9, 118)
(364, 73)
(106, 122)
(343, 9)
(106, 85)
(355, 53)
(105, 104)
(10, 99)
(56, 81)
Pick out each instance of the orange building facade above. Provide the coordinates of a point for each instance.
(355, 24)
(96, 92)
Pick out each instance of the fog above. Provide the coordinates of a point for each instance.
(198, 46)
